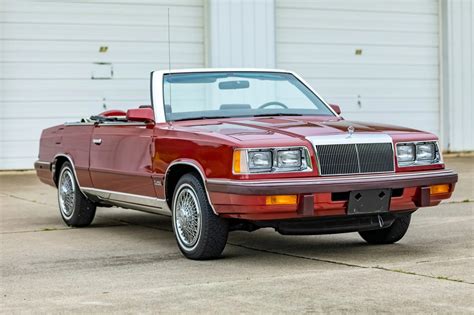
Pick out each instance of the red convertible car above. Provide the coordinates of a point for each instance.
(237, 149)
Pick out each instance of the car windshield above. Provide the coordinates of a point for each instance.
(237, 94)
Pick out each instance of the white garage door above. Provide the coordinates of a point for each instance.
(377, 59)
(65, 60)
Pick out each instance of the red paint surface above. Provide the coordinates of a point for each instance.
(123, 161)
(130, 157)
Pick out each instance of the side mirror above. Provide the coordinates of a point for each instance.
(141, 114)
(336, 108)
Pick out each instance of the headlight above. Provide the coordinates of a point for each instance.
(406, 152)
(289, 159)
(260, 160)
(425, 151)
(292, 159)
(418, 153)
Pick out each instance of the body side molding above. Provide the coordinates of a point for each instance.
(131, 201)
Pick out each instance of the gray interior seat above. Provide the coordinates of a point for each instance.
(235, 106)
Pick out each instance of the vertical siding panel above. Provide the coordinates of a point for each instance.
(246, 33)
(458, 77)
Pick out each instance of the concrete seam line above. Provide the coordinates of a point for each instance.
(24, 199)
(355, 265)
(61, 229)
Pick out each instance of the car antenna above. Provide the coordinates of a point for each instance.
(169, 62)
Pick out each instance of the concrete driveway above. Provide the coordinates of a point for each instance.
(128, 261)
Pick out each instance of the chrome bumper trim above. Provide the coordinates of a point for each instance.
(41, 165)
(329, 180)
(331, 184)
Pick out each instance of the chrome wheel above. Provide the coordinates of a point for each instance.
(187, 216)
(67, 193)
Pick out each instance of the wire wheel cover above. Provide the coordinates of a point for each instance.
(187, 216)
(67, 196)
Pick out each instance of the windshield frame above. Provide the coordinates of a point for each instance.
(158, 95)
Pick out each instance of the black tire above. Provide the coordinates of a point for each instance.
(388, 235)
(211, 230)
(79, 211)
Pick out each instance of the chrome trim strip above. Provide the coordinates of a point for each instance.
(204, 180)
(355, 138)
(329, 180)
(157, 100)
(132, 201)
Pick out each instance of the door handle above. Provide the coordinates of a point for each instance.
(97, 141)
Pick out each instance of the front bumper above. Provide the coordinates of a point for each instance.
(245, 198)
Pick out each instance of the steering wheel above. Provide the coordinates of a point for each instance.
(271, 103)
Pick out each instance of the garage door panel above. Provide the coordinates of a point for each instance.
(75, 109)
(112, 8)
(20, 149)
(76, 91)
(363, 71)
(356, 37)
(17, 128)
(382, 105)
(345, 53)
(400, 6)
(71, 71)
(18, 163)
(108, 33)
(375, 87)
(383, 21)
(419, 121)
(189, 16)
(88, 51)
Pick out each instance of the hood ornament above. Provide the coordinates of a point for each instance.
(350, 130)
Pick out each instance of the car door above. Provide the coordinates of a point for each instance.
(121, 161)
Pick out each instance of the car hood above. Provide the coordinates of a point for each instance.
(247, 129)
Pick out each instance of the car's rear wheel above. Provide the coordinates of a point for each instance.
(389, 235)
(200, 233)
(76, 210)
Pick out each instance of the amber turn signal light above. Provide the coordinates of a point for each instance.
(281, 200)
(237, 161)
(439, 189)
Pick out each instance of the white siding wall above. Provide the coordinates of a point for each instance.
(377, 59)
(241, 33)
(458, 72)
(48, 53)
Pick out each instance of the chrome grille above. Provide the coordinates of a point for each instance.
(355, 158)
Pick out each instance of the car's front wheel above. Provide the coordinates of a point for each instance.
(200, 233)
(388, 235)
(76, 210)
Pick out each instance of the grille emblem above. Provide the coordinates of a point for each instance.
(351, 130)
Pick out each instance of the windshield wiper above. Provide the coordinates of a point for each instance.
(277, 114)
(201, 117)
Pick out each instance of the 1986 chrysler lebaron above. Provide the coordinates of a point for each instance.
(238, 149)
